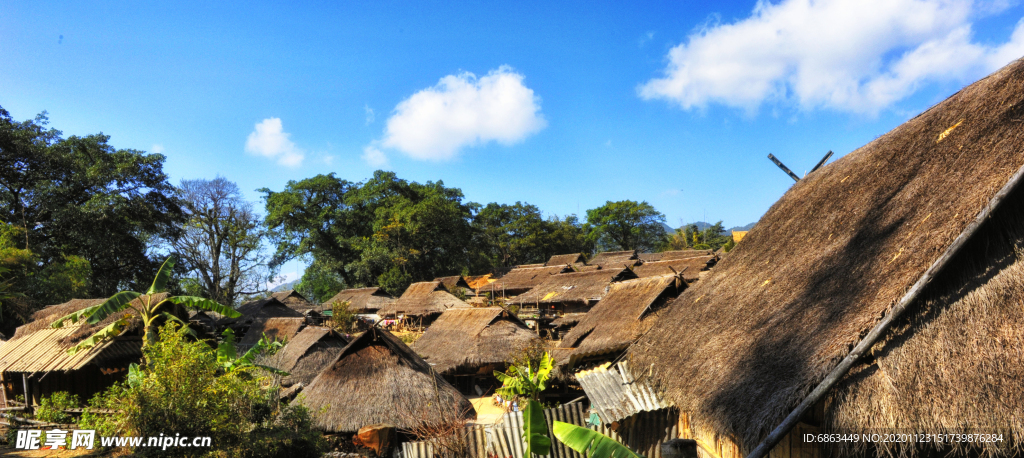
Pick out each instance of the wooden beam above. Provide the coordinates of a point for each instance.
(820, 163)
(783, 167)
(883, 326)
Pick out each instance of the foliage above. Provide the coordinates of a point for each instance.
(626, 225)
(147, 306)
(510, 235)
(221, 242)
(320, 281)
(24, 278)
(80, 200)
(229, 361)
(528, 382)
(342, 318)
(590, 443)
(51, 408)
(711, 237)
(184, 389)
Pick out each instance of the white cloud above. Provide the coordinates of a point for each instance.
(850, 55)
(269, 140)
(369, 114)
(375, 157)
(157, 149)
(463, 110)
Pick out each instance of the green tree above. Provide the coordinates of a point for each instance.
(221, 243)
(80, 198)
(320, 281)
(510, 235)
(626, 225)
(711, 237)
(151, 306)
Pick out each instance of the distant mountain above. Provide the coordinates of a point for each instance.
(285, 286)
(743, 228)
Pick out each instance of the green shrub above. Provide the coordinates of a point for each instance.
(52, 407)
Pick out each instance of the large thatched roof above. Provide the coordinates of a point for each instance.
(261, 309)
(473, 337)
(455, 283)
(564, 259)
(277, 328)
(293, 300)
(362, 300)
(745, 345)
(689, 267)
(586, 287)
(423, 299)
(378, 379)
(614, 259)
(306, 354)
(43, 318)
(672, 255)
(620, 317)
(520, 280)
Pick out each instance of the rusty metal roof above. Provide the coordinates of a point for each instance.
(43, 351)
(615, 394)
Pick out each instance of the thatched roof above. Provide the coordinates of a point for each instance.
(568, 319)
(46, 350)
(473, 337)
(43, 318)
(574, 287)
(671, 255)
(476, 281)
(378, 379)
(737, 236)
(269, 307)
(423, 299)
(278, 328)
(293, 300)
(615, 259)
(619, 318)
(745, 345)
(362, 300)
(455, 281)
(521, 279)
(564, 259)
(527, 266)
(689, 267)
(306, 354)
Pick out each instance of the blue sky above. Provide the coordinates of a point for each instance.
(564, 106)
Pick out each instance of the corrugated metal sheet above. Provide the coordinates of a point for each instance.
(643, 433)
(42, 351)
(615, 394)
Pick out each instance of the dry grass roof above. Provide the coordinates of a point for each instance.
(671, 255)
(277, 328)
(252, 311)
(378, 379)
(451, 283)
(46, 350)
(618, 319)
(614, 259)
(362, 300)
(43, 318)
(476, 281)
(521, 279)
(423, 299)
(574, 287)
(689, 267)
(293, 300)
(742, 347)
(565, 259)
(473, 337)
(307, 353)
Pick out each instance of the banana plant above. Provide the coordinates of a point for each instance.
(227, 354)
(590, 443)
(147, 306)
(525, 382)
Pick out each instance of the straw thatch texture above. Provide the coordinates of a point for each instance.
(747, 343)
(615, 259)
(673, 255)
(378, 379)
(574, 287)
(477, 281)
(46, 350)
(689, 267)
(462, 338)
(362, 300)
(293, 300)
(452, 282)
(306, 354)
(423, 299)
(565, 259)
(568, 319)
(43, 318)
(260, 309)
(277, 328)
(520, 280)
(619, 318)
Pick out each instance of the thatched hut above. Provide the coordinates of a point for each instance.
(278, 328)
(519, 280)
(887, 281)
(468, 345)
(572, 292)
(258, 310)
(421, 303)
(689, 268)
(618, 319)
(306, 354)
(565, 259)
(293, 300)
(361, 300)
(377, 379)
(672, 255)
(615, 259)
(456, 284)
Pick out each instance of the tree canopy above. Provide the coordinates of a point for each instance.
(511, 235)
(626, 225)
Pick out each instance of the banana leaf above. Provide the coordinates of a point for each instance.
(111, 331)
(590, 443)
(196, 302)
(535, 430)
(162, 275)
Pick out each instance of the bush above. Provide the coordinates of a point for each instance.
(52, 407)
(341, 318)
(183, 390)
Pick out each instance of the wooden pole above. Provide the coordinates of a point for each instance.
(781, 166)
(820, 163)
(880, 329)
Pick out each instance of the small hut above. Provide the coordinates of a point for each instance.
(880, 295)
(456, 284)
(258, 310)
(293, 300)
(365, 301)
(519, 280)
(615, 259)
(689, 268)
(306, 354)
(468, 345)
(565, 259)
(377, 379)
(421, 303)
(278, 328)
(573, 292)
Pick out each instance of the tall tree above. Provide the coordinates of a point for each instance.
(81, 197)
(626, 225)
(221, 242)
(516, 234)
